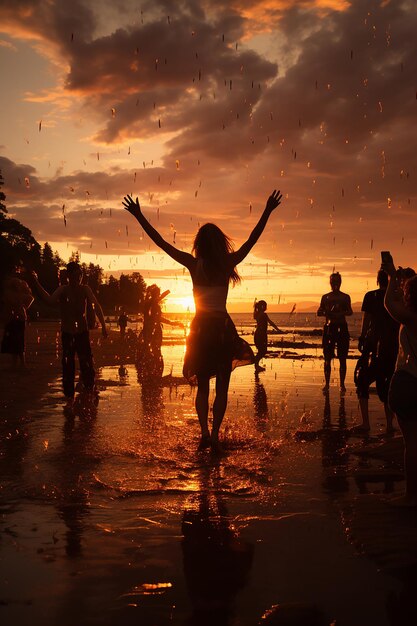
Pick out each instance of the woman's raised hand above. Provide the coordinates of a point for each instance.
(274, 200)
(131, 206)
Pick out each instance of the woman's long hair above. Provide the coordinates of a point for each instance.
(213, 247)
(259, 306)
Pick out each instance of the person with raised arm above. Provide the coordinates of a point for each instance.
(401, 304)
(378, 345)
(261, 332)
(73, 299)
(214, 347)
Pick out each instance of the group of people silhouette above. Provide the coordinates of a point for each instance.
(214, 347)
(388, 347)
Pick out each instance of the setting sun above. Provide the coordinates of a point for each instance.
(183, 304)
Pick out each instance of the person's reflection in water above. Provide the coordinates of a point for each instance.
(334, 455)
(76, 467)
(216, 561)
(260, 403)
(152, 400)
(123, 374)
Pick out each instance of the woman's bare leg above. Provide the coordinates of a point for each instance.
(220, 402)
(342, 374)
(202, 404)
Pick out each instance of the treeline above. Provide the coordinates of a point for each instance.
(19, 247)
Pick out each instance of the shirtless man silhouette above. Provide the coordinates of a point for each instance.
(73, 299)
(334, 306)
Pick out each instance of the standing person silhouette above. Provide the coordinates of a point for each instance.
(213, 346)
(401, 304)
(122, 323)
(149, 356)
(73, 299)
(378, 345)
(334, 306)
(17, 298)
(261, 332)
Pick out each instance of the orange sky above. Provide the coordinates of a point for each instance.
(201, 109)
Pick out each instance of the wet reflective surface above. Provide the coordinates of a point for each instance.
(110, 516)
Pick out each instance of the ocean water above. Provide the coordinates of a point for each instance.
(302, 332)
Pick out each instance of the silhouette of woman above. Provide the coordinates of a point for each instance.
(149, 358)
(213, 346)
(261, 333)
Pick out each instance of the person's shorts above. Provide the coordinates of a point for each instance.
(335, 336)
(402, 397)
(371, 368)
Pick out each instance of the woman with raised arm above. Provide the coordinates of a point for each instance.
(213, 346)
(401, 304)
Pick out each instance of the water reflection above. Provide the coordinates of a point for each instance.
(260, 403)
(149, 359)
(335, 457)
(123, 374)
(75, 467)
(151, 394)
(216, 561)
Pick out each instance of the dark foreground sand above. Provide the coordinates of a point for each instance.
(110, 517)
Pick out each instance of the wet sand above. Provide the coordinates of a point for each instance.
(112, 517)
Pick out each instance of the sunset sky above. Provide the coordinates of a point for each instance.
(203, 108)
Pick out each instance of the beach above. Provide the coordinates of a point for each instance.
(111, 516)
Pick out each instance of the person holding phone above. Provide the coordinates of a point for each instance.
(378, 345)
(335, 306)
(401, 304)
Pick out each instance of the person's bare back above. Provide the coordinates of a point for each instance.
(334, 306)
(73, 305)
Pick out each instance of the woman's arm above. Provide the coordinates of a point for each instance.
(271, 204)
(366, 326)
(321, 311)
(44, 295)
(181, 257)
(97, 308)
(348, 305)
(393, 301)
(165, 320)
(274, 325)
(26, 294)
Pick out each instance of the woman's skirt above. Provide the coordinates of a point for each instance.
(213, 344)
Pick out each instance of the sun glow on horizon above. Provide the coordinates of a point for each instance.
(182, 304)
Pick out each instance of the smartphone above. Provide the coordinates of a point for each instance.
(386, 256)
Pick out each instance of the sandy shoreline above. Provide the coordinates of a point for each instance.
(117, 500)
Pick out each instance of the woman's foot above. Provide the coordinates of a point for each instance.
(361, 429)
(216, 448)
(205, 442)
